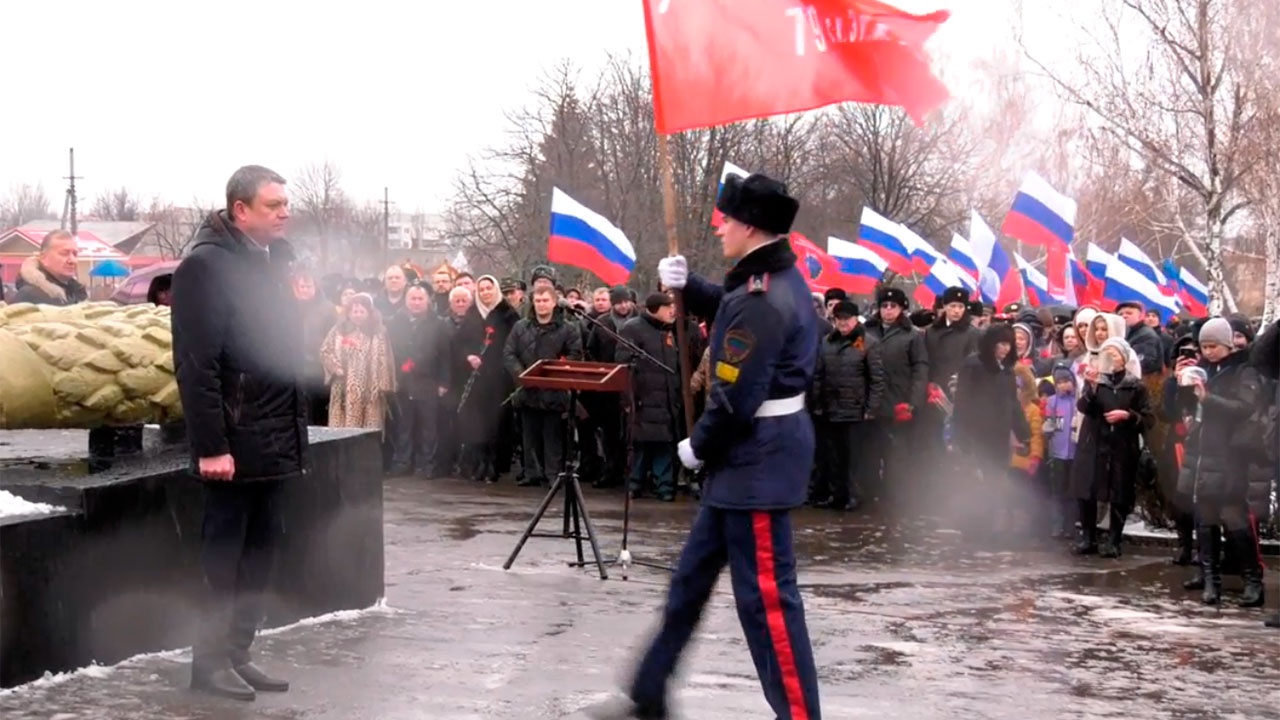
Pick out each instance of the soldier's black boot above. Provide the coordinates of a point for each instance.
(1088, 544)
(1253, 594)
(1210, 564)
(1273, 621)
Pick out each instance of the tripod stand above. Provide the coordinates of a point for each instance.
(624, 559)
(574, 377)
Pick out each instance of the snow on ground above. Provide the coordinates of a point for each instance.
(11, 505)
(102, 671)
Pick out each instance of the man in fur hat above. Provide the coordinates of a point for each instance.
(906, 367)
(949, 340)
(755, 441)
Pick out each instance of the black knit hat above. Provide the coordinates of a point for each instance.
(619, 294)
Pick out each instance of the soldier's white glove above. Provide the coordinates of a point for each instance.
(685, 451)
(673, 271)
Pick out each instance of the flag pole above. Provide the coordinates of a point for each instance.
(673, 248)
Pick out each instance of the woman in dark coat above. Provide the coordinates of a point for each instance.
(987, 414)
(1117, 410)
(485, 423)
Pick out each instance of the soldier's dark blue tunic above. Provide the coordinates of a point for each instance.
(756, 441)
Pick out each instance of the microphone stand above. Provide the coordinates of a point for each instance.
(624, 560)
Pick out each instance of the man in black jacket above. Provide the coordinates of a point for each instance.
(545, 335)
(848, 388)
(421, 350)
(238, 352)
(906, 375)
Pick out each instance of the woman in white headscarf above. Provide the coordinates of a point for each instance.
(484, 422)
(1117, 410)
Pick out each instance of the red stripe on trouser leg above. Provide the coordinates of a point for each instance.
(767, 578)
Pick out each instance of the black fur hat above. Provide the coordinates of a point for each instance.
(976, 308)
(759, 201)
(955, 295)
(891, 294)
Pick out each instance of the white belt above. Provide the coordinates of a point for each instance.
(781, 406)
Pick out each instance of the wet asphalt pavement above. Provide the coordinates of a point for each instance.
(909, 622)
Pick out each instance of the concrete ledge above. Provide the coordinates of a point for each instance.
(118, 574)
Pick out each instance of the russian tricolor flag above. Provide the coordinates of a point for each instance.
(860, 268)
(1041, 216)
(717, 217)
(961, 253)
(891, 241)
(1036, 283)
(941, 276)
(1124, 284)
(583, 239)
(1097, 260)
(998, 279)
(1195, 295)
(1133, 256)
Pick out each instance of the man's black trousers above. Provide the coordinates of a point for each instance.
(241, 528)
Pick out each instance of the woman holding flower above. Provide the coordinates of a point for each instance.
(357, 366)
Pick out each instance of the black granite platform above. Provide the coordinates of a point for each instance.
(118, 573)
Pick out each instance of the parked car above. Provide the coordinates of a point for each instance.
(137, 288)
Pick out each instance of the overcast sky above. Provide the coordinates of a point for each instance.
(167, 98)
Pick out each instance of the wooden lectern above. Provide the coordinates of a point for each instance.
(573, 376)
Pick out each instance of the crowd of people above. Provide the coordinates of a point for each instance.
(1067, 415)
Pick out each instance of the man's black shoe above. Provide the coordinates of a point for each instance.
(259, 680)
(223, 683)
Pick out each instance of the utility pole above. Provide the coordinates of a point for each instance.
(386, 227)
(71, 197)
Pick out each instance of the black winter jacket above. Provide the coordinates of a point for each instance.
(948, 346)
(1148, 346)
(238, 352)
(531, 341)
(656, 392)
(849, 382)
(1213, 467)
(906, 363)
(421, 350)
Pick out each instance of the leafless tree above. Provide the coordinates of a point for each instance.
(117, 205)
(1181, 104)
(320, 203)
(173, 227)
(24, 203)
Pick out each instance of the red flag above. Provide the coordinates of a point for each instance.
(818, 268)
(715, 62)
(1055, 271)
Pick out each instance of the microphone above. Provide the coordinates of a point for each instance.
(571, 307)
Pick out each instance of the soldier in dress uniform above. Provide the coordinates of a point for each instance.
(756, 443)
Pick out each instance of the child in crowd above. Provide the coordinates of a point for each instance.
(1061, 427)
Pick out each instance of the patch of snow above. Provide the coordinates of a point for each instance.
(11, 506)
(97, 671)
